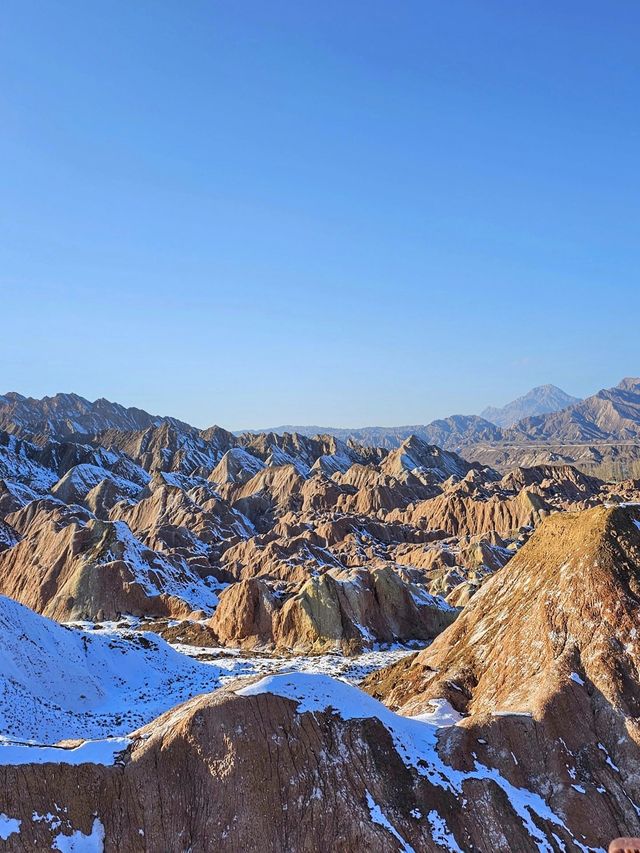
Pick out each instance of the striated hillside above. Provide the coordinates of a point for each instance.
(543, 664)
(68, 414)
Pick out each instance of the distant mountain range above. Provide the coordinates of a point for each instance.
(601, 429)
(446, 432)
(455, 430)
(538, 401)
(612, 414)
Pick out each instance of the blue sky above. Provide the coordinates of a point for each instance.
(254, 213)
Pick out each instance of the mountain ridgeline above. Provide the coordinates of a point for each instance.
(187, 618)
(599, 434)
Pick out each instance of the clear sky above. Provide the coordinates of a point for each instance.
(338, 213)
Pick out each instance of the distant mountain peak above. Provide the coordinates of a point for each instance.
(539, 401)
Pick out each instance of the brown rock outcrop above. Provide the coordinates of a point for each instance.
(70, 565)
(340, 609)
(544, 661)
(289, 763)
(169, 519)
(461, 515)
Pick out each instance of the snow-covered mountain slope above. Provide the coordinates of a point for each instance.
(60, 682)
(293, 762)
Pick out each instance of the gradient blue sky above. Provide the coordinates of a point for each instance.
(344, 213)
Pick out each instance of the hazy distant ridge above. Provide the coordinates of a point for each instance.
(538, 401)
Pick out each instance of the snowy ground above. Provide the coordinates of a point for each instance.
(96, 686)
(353, 669)
(62, 683)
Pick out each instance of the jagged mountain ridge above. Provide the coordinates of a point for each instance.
(455, 431)
(63, 415)
(159, 532)
(450, 433)
(611, 415)
(292, 546)
(599, 433)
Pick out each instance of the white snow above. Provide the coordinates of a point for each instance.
(377, 816)
(58, 682)
(443, 714)
(88, 752)
(8, 826)
(278, 457)
(441, 833)
(415, 740)
(78, 842)
(236, 464)
(352, 669)
(423, 598)
(603, 748)
(158, 575)
(84, 477)
(332, 463)
(575, 677)
(16, 465)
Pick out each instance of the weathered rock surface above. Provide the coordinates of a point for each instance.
(340, 609)
(544, 661)
(289, 763)
(70, 565)
(212, 507)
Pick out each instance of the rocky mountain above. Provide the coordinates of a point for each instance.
(600, 434)
(269, 562)
(315, 764)
(456, 431)
(341, 608)
(67, 414)
(450, 433)
(538, 401)
(543, 667)
(155, 522)
(80, 567)
(612, 414)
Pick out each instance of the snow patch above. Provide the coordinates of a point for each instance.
(78, 842)
(443, 714)
(441, 833)
(377, 816)
(415, 740)
(90, 752)
(8, 826)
